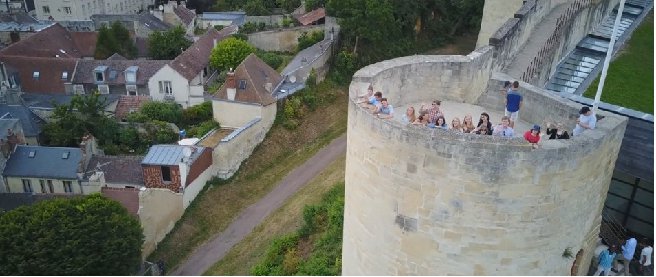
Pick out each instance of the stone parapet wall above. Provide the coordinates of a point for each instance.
(231, 151)
(412, 79)
(284, 40)
(433, 202)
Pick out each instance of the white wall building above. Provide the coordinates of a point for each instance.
(72, 10)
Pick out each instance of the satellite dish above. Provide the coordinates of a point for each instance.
(161, 8)
(187, 152)
(292, 79)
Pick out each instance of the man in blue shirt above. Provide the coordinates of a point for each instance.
(385, 110)
(628, 250)
(606, 260)
(513, 103)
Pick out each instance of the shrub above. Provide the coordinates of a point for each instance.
(272, 59)
(343, 67)
(219, 27)
(137, 117)
(306, 40)
(203, 128)
(197, 114)
(287, 22)
(162, 111)
(248, 27)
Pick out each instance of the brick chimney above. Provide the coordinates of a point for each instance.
(89, 148)
(231, 85)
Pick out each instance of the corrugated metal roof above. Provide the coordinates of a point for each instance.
(166, 154)
(47, 162)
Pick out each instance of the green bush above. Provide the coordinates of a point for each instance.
(162, 111)
(202, 128)
(219, 27)
(137, 117)
(344, 66)
(272, 59)
(323, 223)
(287, 22)
(248, 28)
(197, 114)
(306, 40)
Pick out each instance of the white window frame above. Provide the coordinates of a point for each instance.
(68, 186)
(78, 89)
(68, 10)
(166, 87)
(103, 89)
(131, 88)
(27, 185)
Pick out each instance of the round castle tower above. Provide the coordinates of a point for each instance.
(425, 201)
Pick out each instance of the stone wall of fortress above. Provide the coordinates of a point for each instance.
(433, 202)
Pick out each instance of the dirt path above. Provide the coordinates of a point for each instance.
(212, 251)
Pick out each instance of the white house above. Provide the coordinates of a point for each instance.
(74, 10)
(211, 19)
(183, 79)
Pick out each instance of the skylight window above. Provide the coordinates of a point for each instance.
(35, 75)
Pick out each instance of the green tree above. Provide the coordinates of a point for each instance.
(84, 114)
(162, 111)
(89, 235)
(229, 53)
(256, 7)
(289, 5)
(272, 59)
(311, 5)
(168, 44)
(114, 39)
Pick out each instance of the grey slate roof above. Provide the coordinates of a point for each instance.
(84, 73)
(8, 124)
(46, 163)
(237, 18)
(166, 154)
(30, 122)
(47, 101)
(118, 169)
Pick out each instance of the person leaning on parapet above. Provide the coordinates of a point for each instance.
(533, 135)
(513, 103)
(506, 88)
(364, 98)
(504, 129)
(434, 111)
(456, 126)
(374, 101)
(409, 116)
(468, 124)
(628, 250)
(385, 110)
(484, 121)
(440, 122)
(646, 267)
(606, 258)
(556, 131)
(422, 119)
(587, 120)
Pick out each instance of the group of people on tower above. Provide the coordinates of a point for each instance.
(433, 117)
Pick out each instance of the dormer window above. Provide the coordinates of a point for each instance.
(65, 75)
(36, 75)
(131, 75)
(99, 74)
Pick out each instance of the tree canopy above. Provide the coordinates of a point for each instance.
(89, 235)
(114, 39)
(229, 53)
(168, 44)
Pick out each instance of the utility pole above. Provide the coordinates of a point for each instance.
(609, 53)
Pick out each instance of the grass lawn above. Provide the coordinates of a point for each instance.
(243, 256)
(280, 152)
(630, 79)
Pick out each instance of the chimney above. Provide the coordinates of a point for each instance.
(215, 42)
(231, 85)
(268, 86)
(89, 148)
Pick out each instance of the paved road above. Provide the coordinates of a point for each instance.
(214, 250)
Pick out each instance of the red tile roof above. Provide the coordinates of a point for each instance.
(129, 103)
(51, 42)
(50, 73)
(256, 74)
(193, 60)
(85, 42)
(146, 69)
(311, 17)
(121, 170)
(185, 15)
(128, 197)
